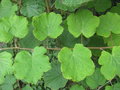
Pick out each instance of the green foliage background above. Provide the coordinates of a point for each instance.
(59, 45)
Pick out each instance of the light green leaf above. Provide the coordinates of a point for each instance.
(7, 8)
(116, 9)
(108, 60)
(8, 83)
(114, 87)
(5, 65)
(80, 23)
(102, 5)
(76, 64)
(30, 68)
(54, 78)
(13, 26)
(77, 87)
(96, 79)
(47, 25)
(109, 23)
(32, 7)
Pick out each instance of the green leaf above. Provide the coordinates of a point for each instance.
(80, 23)
(77, 87)
(108, 60)
(13, 26)
(96, 79)
(109, 23)
(5, 65)
(76, 65)
(32, 7)
(74, 4)
(102, 5)
(116, 9)
(114, 87)
(27, 87)
(30, 68)
(7, 8)
(47, 25)
(53, 78)
(113, 40)
(8, 83)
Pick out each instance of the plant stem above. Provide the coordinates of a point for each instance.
(47, 5)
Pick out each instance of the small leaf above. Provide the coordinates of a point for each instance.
(80, 23)
(76, 65)
(27, 87)
(30, 68)
(109, 23)
(47, 25)
(108, 60)
(5, 65)
(77, 87)
(96, 79)
(32, 7)
(7, 8)
(53, 78)
(116, 9)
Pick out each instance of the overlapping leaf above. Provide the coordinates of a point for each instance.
(54, 78)
(32, 7)
(76, 64)
(7, 8)
(14, 26)
(96, 79)
(47, 25)
(114, 87)
(110, 63)
(30, 68)
(109, 23)
(5, 65)
(82, 22)
(77, 87)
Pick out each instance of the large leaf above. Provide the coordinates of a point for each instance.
(47, 25)
(108, 60)
(54, 78)
(13, 26)
(77, 87)
(82, 22)
(76, 64)
(109, 23)
(5, 65)
(7, 8)
(114, 87)
(32, 7)
(30, 68)
(96, 79)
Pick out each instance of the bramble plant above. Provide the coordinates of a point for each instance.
(60, 45)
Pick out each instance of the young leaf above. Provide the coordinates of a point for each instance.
(76, 64)
(96, 79)
(13, 26)
(54, 78)
(5, 65)
(77, 87)
(47, 25)
(82, 22)
(30, 68)
(109, 23)
(32, 7)
(7, 8)
(108, 60)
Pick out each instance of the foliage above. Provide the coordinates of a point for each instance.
(59, 45)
